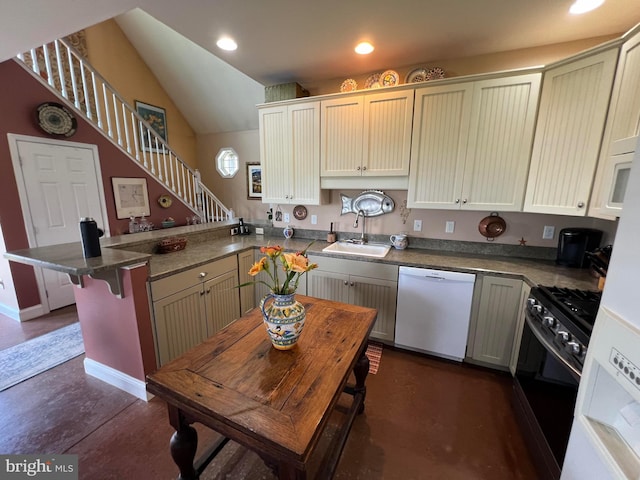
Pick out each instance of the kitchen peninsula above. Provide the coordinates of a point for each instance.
(118, 324)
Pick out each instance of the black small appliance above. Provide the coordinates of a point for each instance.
(573, 243)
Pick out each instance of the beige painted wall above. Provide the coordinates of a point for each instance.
(111, 53)
(529, 226)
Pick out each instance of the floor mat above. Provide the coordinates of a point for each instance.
(374, 352)
(27, 359)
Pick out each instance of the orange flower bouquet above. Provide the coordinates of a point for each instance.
(294, 265)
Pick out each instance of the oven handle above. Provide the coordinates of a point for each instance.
(550, 347)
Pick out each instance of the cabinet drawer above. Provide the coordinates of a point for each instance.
(166, 286)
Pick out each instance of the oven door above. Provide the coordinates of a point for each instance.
(545, 391)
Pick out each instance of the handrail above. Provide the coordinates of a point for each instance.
(65, 70)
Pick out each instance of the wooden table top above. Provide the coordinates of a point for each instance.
(276, 401)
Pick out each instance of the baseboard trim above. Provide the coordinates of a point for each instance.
(24, 314)
(120, 380)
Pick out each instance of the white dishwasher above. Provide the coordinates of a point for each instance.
(433, 312)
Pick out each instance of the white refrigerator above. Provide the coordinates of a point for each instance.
(605, 437)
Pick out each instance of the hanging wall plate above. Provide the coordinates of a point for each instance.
(56, 119)
(165, 201)
(300, 212)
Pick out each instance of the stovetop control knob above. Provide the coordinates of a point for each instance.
(563, 336)
(574, 347)
(537, 308)
(549, 321)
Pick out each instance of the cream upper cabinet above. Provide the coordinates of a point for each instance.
(290, 153)
(471, 144)
(623, 122)
(573, 108)
(367, 135)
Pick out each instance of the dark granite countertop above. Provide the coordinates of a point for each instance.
(208, 243)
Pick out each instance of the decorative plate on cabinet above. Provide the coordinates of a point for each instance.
(372, 81)
(435, 73)
(300, 212)
(349, 85)
(390, 78)
(56, 119)
(416, 75)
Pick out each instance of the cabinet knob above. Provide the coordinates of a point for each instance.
(201, 293)
(346, 283)
(208, 291)
(464, 201)
(358, 168)
(364, 168)
(202, 274)
(457, 200)
(351, 284)
(580, 204)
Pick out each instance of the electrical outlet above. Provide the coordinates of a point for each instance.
(259, 231)
(286, 218)
(234, 231)
(314, 219)
(548, 232)
(449, 227)
(417, 225)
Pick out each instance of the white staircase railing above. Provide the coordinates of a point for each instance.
(64, 69)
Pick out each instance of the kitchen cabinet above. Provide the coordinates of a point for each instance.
(494, 321)
(190, 306)
(366, 135)
(290, 153)
(573, 109)
(247, 293)
(623, 122)
(472, 142)
(367, 284)
(513, 361)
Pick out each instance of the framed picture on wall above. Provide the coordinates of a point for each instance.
(254, 181)
(131, 197)
(157, 118)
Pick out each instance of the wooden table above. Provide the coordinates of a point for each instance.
(276, 403)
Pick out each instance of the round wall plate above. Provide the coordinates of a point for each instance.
(165, 201)
(300, 212)
(56, 119)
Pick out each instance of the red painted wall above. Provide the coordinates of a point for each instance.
(20, 94)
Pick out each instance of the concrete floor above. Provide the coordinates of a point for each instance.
(425, 418)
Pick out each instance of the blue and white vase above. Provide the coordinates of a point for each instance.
(283, 318)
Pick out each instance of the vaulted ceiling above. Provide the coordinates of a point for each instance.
(284, 41)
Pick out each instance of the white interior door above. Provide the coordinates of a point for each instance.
(61, 183)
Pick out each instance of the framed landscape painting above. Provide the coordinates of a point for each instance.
(157, 118)
(254, 181)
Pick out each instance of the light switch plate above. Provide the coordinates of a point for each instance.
(548, 232)
(417, 225)
(314, 219)
(286, 218)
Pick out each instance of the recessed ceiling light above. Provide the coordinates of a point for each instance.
(584, 6)
(364, 48)
(226, 43)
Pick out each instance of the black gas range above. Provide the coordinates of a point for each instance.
(555, 337)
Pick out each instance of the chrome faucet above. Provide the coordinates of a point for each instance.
(363, 239)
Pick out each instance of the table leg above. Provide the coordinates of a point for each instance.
(289, 472)
(183, 445)
(361, 371)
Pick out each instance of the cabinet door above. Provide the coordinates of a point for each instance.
(378, 294)
(341, 136)
(275, 154)
(503, 117)
(440, 130)
(180, 323)
(222, 299)
(513, 362)
(573, 108)
(328, 285)
(497, 317)
(387, 134)
(304, 128)
(247, 294)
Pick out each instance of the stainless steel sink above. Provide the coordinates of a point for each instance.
(366, 250)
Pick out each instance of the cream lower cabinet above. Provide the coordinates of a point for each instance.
(573, 108)
(498, 304)
(247, 294)
(472, 143)
(190, 306)
(366, 284)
